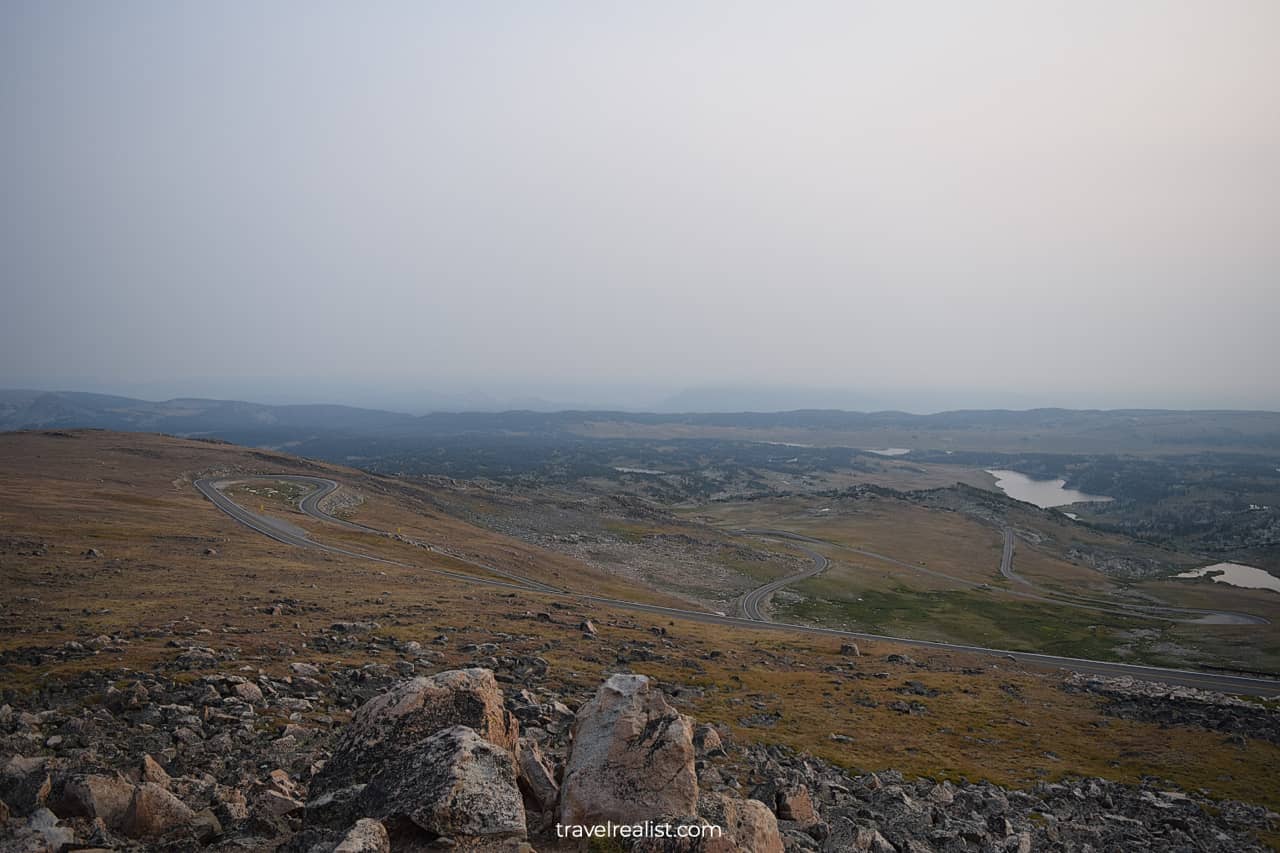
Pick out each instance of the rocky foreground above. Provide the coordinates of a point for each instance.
(1131, 699)
(454, 761)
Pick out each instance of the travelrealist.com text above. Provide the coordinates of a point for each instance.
(645, 829)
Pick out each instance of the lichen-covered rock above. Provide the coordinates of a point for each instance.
(95, 796)
(454, 783)
(707, 741)
(205, 825)
(748, 824)
(334, 808)
(230, 804)
(869, 840)
(151, 771)
(41, 834)
(367, 836)
(537, 781)
(153, 812)
(412, 710)
(275, 803)
(247, 691)
(25, 783)
(790, 800)
(631, 757)
(794, 803)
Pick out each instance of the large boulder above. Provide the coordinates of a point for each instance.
(631, 757)
(412, 710)
(454, 783)
(154, 812)
(95, 796)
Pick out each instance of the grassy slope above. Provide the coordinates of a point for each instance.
(130, 496)
(862, 593)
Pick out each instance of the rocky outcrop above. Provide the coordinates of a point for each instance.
(215, 767)
(452, 784)
(429, 758)
(631, 757)
(1170, 705)
(411, 711)
(1125, 566)
(887, 813)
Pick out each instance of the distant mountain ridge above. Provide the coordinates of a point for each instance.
(71, 409)
(262, 424)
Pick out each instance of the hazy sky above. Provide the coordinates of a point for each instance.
(980, 202)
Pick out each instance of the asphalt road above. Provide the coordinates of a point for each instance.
(1006, 558)
(1158, 611)
(310, 504)
(751, 603)
(1033, 592)
(288, 534)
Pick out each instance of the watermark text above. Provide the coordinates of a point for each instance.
(644, 829)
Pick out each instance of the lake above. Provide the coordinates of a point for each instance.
(1236, 575)
(1042, 493)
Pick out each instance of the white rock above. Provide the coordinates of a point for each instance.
(631, 757)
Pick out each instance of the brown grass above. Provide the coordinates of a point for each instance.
(131, 497)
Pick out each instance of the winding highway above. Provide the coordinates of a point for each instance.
(289, 534)
(1033, 592)
(750, 604)
(1154, 611)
